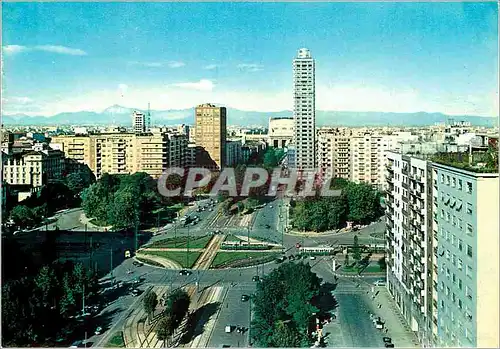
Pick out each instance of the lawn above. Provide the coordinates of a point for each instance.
(241, 259)
(231, 238)
(181, 242)
(177, 256)
(116, 341)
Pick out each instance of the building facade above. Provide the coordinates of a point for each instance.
(233, 153)
(442, 250)
(33, 168)
(304, 110)
(140, 122)
(280, 132)
(467, 239)
(125, 153)
(211, 135)
(408, 247)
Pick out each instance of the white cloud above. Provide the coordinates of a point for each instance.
(13, 49)
(18, 100)
(61, 50)
(202, 85)
(251, 67)
(175, 64)
(211, 66)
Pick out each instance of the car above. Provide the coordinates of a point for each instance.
(312, 258)
(135, 292)
(389, 345)
(387, 339)
(185, 272)
(256, 278)
(270, 206)
(278, 260)
(297, 245)
(98, 330)
(380, 282)
(228, 329)
(245, 298)
(267, 226)
(291, 257)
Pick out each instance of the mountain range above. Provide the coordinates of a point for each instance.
(120, 115)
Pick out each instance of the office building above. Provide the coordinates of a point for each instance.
(304, 110)
(211, 135)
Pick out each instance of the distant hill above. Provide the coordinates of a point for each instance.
(119, 115)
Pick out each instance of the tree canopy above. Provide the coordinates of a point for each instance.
(283, 306)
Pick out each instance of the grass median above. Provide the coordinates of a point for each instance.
(176, 256)
(116, 341)
(181, 242)
(242, 259)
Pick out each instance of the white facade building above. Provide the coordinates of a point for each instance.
(304, 109)
(280, 132)
(140, 122)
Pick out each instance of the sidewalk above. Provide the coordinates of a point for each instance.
(397, 329)
(84, 220)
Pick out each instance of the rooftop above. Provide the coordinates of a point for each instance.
(481, 162)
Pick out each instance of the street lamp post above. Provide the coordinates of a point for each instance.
(187, 249)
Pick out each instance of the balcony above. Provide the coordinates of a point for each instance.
(389, 167)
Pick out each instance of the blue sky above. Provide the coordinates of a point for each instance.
(394, 57)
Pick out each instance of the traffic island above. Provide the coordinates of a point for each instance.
(172, 259)
(241, 259)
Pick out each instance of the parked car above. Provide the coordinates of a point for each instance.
(387, 339)
(185, 272)
(389, 345)
(380, 282)
(135, 292)
(312, 258)
(256, 278)
(245, 298)
(98, 330)
(228, 329)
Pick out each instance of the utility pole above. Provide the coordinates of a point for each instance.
(111, 261)
(187, 250)
(136, 237)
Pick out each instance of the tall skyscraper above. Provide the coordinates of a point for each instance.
(211, 135)
(304, 110)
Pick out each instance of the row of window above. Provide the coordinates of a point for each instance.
(456, 183)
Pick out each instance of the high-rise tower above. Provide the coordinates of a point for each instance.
(304, 109)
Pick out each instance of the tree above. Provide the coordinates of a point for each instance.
(124, 211)
(75, 182)
(150, 302)
(165, 329)
(285, 335)
(356, 250)
(270, 158)
(363, 203)
(22, 216)
(177, 306)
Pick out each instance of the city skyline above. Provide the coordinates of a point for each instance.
(370, 57)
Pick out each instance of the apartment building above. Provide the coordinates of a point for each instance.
(354, 154)
(80, 148)
(211, 135)
(140, 122)
(125, 153)
(33, 168)
(304, 110)
(280, 132)
(408, 239)
(442, 249)
(466, 258)
(233, 153)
